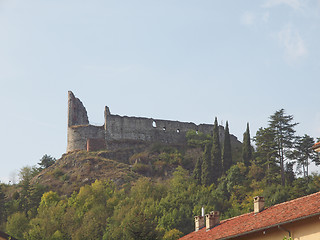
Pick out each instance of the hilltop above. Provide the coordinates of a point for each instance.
(79, 168)
(122, 166)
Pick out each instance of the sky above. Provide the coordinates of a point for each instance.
(185, 60)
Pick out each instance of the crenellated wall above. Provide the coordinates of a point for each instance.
(118, 128)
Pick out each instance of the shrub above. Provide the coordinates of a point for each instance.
(142, 157)
(57, 173)
(142, 168)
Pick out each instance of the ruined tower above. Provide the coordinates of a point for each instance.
(119, 129)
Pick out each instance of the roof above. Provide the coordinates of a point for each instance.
(290, 211)
(6, 236)
(315, 146)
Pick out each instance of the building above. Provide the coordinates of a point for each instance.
(316, 147)
(298, 219)
(4, 236)
(122, 131)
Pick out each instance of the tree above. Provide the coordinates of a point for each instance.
(266, 153)
(48, 222)
(198, 139)
(197, 171)
(25, 175)
(246, 147)
(227, 153)
(216, 153)
(30, 195)
(141, 226)
(46, 161)
(283, 128)
(172, 234)
(289, 173)
(266, 148)
(304, 154)
(2, 206)
(177, 207)
(17, 224)
(206, 167)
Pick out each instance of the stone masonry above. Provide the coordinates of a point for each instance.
(118, 129)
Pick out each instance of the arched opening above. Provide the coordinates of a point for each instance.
(154, 124)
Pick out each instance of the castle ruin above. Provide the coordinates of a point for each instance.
(119, 129)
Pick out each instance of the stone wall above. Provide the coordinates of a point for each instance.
(95, 144)
(151, 130)
(78, 136)
(77, 114)
(118, 128)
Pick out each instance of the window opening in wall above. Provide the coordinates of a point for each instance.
(178, 130)
(164, 128)
(154, 124)
(197, 132)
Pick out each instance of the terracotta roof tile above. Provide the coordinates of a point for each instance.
(281, 213)
(316, 145)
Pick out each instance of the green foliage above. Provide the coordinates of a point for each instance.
(246, 147)
(142, 157)
(140, 226)
(266, 148)
(198, 139)
(173, 234)
(289, 174)
(30, 195)
(177, 206)
(2, 206)
(236, 176)
(57, 236)
(173, 158)
(47, 222)
(46, 161)
(57, 173)
(135, 215)
(304, 154)
(65, 177)
(49, 199)
(227, 152)
(27, 173)
(206, 167)
(17, 225)
(156, 208)
(283, 129)
(148, 209)
(216, 153)
(143, 169)
(197, 171)
(285, 238)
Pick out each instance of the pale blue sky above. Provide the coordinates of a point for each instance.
(170, 59)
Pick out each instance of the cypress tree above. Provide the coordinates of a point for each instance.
(197, 171)
(206, 167)
(216, 153)
(246, 147)
(227, 153)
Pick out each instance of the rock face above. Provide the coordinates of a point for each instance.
(117, 129)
